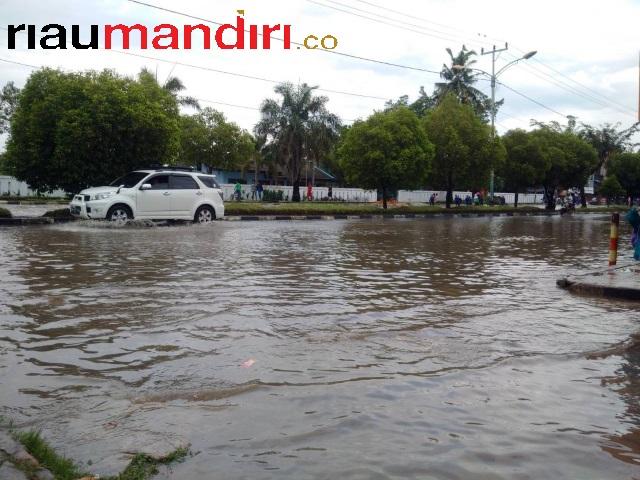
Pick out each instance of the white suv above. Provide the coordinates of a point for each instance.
(168, 193)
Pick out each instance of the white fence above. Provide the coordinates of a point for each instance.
(11, 186)
(318, 193)
(423, 196)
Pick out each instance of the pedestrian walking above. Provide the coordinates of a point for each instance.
(259, 190)
(309, 191)
(237, 189)
(330, 194)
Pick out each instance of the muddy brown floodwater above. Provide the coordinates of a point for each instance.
(374, 349)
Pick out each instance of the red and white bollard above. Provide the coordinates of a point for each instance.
(613, 239)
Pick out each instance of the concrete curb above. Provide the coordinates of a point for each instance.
(619, 282)
(599, 290)
(236, 218)
(22, 221)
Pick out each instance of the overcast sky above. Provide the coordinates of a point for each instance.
(588, 42)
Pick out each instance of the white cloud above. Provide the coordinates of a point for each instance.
(587, 41)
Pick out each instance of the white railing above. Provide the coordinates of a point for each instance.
(12, 186)
(423, 196)
(318, 193)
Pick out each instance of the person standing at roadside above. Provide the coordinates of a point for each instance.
(259, 189)
(254, 191)
(237, 189)
(309, 191)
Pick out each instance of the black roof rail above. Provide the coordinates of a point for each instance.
(173, 168)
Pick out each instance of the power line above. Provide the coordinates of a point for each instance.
(216, 102)
(554, 80)
(607, 102)
(385, 22)
(595, 92)
(425, 20)
(334, 52)
(532, 100)
(242, 75)
(18, 63)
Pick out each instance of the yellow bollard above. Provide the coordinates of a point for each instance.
(613, 239)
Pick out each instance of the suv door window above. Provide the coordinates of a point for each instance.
(159, 182)
(209, 182)
(183, 182)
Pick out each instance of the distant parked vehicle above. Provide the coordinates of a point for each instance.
(166, 193)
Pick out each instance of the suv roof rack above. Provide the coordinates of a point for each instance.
(173, 168)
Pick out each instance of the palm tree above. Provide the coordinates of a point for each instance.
(297, 127)
(460, 78)
(174, 86)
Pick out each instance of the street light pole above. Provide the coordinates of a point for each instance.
(493, 52)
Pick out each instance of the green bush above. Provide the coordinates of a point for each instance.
(272, 196)
(4, 213)
(59, 213)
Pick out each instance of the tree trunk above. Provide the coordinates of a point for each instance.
(384, 198)
(583, 199)
(449, 198)
(549, 198)
(295, 195)
(515, 200)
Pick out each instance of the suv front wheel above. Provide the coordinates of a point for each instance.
(204, 214)
(119, 214)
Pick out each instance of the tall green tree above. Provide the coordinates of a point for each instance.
(459, 79)
(74, 130)
(570, 160)
(388, 151)
(525, 164)
(290, 125)
(610, 188)
(208, 138)
(626, 168)
(8, 104)
(465, 151)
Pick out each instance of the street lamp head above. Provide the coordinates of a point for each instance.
(528, 55)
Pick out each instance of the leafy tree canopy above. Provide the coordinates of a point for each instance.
(611, 188)
(8, 104)
(208, 138)
(570, 160)
(388, 151)
(626, 168)
(465, 152)
(525, 164)
(74, 130)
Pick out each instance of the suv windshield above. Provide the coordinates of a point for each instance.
(129, 180)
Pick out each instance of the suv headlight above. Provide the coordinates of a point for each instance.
(102, 196)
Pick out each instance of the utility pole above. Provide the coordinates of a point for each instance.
(493, 52)
(638, 86)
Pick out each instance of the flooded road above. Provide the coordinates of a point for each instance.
(374, 349)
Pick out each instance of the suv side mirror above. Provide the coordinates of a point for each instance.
(145, 186)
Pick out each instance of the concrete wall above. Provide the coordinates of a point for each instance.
(14, 187)
(344, 194)
(422, 196)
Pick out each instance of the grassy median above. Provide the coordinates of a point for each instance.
(337, 208)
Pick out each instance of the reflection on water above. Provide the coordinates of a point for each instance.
(435, 348)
